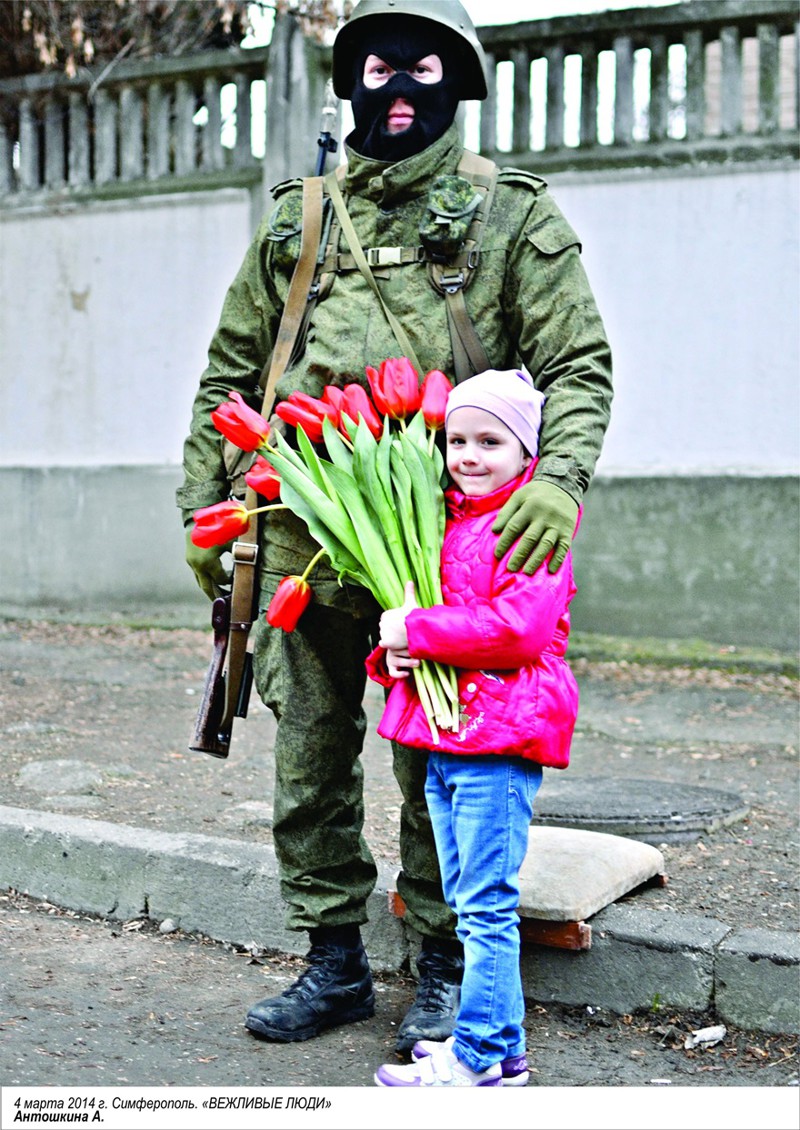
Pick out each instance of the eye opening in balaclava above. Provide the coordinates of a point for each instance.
(402, 42)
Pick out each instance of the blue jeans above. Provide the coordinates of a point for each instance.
(481, 808)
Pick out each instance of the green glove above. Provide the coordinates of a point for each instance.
(543, 517)
(209, 572)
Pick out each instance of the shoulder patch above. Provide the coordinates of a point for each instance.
(284, 186)
(522, 177)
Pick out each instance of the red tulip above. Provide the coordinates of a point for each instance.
(289, 603)
(241, 424)
(395, 387)
(435, 390)
(307, 412)
(264, 479)
(355, 402)
(333, 395)
(219, 524)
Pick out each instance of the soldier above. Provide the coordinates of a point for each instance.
(483, 272)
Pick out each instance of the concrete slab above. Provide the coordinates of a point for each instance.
(769, 962)
(229, 891)
(637, 960)
(570, 874)
(225, 889)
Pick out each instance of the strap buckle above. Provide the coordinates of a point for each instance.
(384, 256)
(244, 552)
(452, 283)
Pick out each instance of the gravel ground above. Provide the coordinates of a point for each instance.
(95, 721)
(93, 1003)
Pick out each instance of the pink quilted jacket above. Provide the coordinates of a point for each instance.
(506, 632)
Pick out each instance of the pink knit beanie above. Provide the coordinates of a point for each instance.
(510, 396)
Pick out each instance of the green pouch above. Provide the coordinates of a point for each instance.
(284, 230)
(448, 214)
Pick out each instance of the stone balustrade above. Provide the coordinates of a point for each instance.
(156, 123)
(701, 81)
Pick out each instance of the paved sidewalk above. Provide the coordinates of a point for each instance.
(107, 813)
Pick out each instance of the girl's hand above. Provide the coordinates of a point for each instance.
(399, 664)
(393, 622)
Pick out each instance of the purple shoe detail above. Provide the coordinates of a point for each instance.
(437, 1068)
(515, 1070)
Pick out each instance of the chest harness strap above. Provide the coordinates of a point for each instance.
(449, 276)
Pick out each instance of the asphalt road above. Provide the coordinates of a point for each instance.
(89, 1004)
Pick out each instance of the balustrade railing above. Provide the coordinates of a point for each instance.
(705, 80)
(184, 120)
(708, 80)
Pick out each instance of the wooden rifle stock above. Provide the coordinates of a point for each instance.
(212, 732)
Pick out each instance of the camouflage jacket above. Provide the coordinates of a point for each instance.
(529, 300)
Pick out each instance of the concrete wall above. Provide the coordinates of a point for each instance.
(697, 275)
(691, 525)
(107, 311)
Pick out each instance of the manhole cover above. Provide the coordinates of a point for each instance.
(652, 811)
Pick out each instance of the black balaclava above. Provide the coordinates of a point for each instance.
(401, 44)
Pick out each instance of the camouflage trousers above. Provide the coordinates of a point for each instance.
(313, 680)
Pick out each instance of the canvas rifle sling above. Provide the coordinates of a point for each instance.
(245, 550)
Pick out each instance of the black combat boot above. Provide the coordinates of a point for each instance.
(336, 988)
(432, 1016)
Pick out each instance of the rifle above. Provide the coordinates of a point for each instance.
(229, 678)
(326, 141)
(212, 731)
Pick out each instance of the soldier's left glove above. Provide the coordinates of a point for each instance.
(542, 516)
(209, 572)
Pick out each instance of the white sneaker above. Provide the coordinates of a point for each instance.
(515, 1069)
(441, 1068)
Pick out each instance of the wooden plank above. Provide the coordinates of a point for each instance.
(560, 935)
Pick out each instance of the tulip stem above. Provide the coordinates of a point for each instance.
(261, 509)
(321, 553)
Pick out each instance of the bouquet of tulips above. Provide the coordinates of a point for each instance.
(375, 504)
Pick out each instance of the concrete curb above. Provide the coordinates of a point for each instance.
(229, 890)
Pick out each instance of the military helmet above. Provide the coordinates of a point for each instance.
(449, 14)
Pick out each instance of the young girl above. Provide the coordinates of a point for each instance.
(507, 633)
